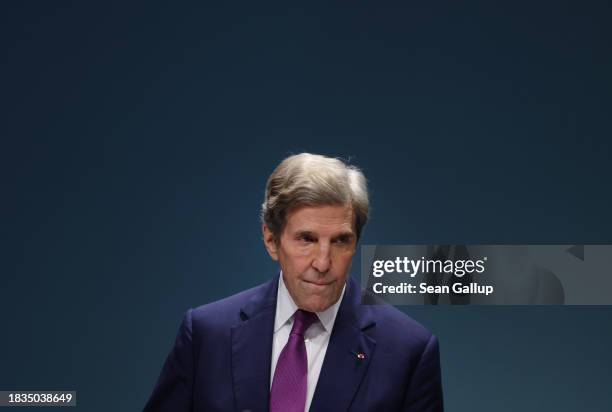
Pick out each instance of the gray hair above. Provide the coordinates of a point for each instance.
(309, 179)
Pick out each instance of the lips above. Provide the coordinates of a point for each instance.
(318, 283)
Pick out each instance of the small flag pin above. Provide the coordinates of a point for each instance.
(361, 356)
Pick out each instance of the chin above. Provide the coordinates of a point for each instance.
(316, 305)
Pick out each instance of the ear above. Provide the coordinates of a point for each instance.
(269, 242)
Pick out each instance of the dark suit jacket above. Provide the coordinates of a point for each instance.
(222, 355)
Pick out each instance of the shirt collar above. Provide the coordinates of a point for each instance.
(286, 307)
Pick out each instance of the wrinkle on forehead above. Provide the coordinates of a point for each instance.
(325, 220)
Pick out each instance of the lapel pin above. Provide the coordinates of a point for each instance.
(359, 355)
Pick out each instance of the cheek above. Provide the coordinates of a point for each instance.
(343, 261)
(295, 263)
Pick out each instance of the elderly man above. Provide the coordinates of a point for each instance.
(303, 340)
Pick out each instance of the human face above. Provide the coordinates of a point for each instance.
(315, 251)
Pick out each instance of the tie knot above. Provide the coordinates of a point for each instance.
(302, 320)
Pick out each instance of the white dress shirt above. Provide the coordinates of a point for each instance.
(316, 336)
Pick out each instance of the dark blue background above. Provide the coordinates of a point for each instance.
(136, 140)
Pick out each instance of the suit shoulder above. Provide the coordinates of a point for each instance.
(395, 325)
(225, 311)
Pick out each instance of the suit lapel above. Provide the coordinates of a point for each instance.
(348, 355)
(252, 350)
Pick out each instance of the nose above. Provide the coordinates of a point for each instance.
(322, 259)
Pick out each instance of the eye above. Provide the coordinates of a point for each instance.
(305, 238)
(342, 240)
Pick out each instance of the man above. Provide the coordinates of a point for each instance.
(303, 341)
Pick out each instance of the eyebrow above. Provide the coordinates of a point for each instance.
(344, 235)
(347, 234)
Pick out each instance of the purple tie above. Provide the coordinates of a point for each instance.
(288, 392)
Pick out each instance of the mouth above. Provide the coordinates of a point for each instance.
(318, 284)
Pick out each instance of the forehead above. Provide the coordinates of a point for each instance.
(325, 219)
